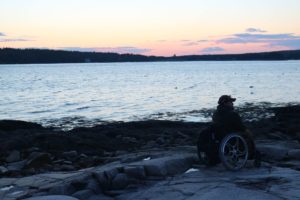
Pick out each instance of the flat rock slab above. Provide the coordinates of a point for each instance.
(116, 176)
(52, 197)
(217, 183)
(167, 177)
(279, 150)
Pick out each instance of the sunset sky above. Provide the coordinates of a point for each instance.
(152, 27)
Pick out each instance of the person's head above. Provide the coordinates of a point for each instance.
(226, 100)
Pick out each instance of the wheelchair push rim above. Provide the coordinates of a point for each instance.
(234, 151)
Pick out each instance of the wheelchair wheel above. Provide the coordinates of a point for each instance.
(233, 151)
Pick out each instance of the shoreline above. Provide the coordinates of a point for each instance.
(29, 148)
(248, 111)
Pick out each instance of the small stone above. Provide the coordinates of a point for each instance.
(85, 161)
(58, 161)
(120, 182)
(83, 194)
(119, 153)
(65, 162)
(16, 166)
(83, 156)
(294, 153)
(160, 140)
(18, 194)
(3, 170)
(79, 184)
(129, 140)
(111, 173)
(137, 172)
(64, 189)
(94, 186)
(100, 197)
(151, 144)
(33, 149)
(103, 180)
(67, 167)
(14, 156)
(70, 155)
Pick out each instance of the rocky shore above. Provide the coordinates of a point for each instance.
(138, 153)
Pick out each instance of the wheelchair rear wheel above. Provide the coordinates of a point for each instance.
(233, 151)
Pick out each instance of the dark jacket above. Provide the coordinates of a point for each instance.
(227, 120)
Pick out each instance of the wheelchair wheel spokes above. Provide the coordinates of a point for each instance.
(233, 151)
(237, 142)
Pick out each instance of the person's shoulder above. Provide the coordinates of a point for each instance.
(234, 114)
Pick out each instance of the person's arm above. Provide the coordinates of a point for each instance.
(238, 124)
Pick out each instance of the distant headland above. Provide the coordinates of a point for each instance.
(43, 56)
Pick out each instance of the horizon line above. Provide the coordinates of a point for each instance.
(174, 55)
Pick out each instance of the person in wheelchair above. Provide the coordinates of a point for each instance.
(226, 121)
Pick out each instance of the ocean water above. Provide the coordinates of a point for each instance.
(84, 94)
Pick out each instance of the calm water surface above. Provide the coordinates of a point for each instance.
(134, 91)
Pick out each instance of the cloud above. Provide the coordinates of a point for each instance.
(190, 44)
(15, 40)
(5, 38)
(193, 43)
(122, 50)
(161, 40)
(255, 30)
(257, 38)
(203, 41)
(212, 49)
(292, 43)
(288, 40)
(266, 36)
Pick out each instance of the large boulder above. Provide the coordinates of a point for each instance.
(37, 160)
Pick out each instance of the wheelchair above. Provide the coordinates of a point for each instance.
(232, 149)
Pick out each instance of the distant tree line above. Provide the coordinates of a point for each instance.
(31, 56)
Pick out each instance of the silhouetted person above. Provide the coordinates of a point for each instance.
(226, 120)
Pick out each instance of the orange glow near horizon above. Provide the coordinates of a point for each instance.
(152, 27)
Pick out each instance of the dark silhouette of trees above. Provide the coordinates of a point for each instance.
(30, 56)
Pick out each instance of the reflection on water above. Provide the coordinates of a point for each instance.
(133, 91)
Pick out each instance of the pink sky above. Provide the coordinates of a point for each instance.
(152, 27)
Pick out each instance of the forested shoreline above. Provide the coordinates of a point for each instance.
(35, 56)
